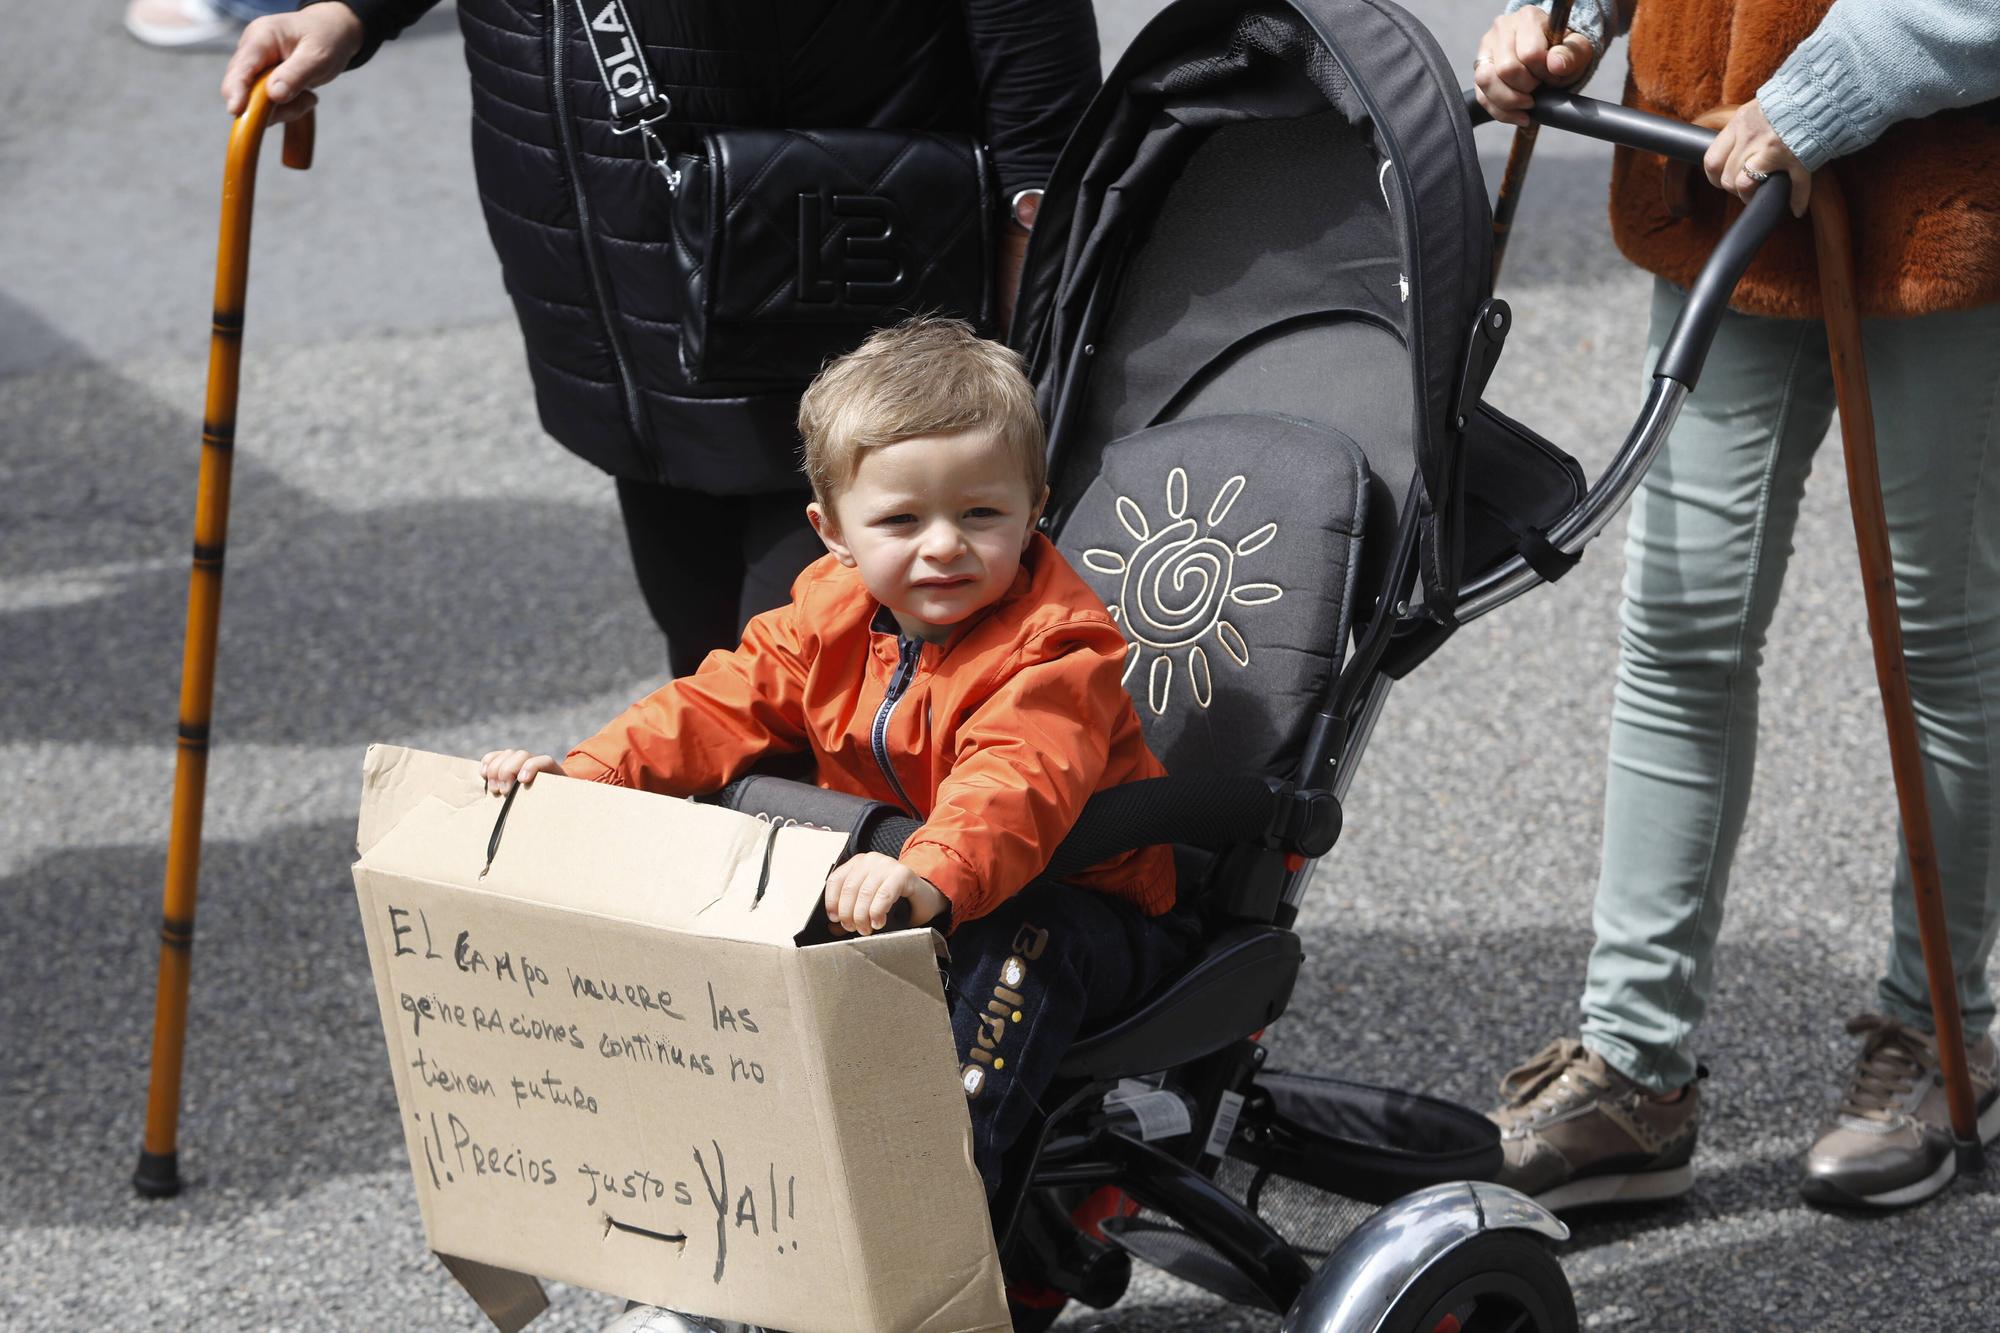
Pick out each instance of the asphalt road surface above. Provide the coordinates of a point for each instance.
(411, 561)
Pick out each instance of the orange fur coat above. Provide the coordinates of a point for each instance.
(1925, 196)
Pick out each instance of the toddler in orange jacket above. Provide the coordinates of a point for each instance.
(945, 658)
(942, 657)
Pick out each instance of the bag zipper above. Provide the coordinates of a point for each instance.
(908, 650)
(566, 134)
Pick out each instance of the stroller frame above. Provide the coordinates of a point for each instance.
(1195, 1041)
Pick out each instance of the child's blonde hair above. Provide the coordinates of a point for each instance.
(925, 376)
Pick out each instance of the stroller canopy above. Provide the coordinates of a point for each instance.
(1271, 208)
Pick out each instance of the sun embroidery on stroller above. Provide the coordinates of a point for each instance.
(1175, 587)
(1258, 316)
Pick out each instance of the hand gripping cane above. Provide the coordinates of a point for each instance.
(1522, 152)
(1833, 244)
(158, 1175)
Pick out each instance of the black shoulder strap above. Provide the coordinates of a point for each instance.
(614, 39)
(637, 105)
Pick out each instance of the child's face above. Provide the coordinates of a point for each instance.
(935, 525)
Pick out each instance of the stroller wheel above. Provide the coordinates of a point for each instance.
(1496, 1282)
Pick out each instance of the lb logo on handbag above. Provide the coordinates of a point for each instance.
(850, 252)
(794, 245)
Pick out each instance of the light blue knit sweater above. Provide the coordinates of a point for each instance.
(1869, 64)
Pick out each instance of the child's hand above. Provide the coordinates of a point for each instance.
(500, 768)
(862, 889)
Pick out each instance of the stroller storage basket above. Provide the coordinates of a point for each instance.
(1367, 1143)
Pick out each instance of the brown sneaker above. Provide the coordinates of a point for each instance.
(1577, 1132)
(1889, 1142)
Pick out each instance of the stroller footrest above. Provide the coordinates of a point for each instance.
(1186, 1257)
(1368, 1143)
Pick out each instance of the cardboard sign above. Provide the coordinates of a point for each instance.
(616, 1069)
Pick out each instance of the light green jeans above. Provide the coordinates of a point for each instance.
(1710, 535)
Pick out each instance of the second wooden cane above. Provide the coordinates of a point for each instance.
(1833, 244)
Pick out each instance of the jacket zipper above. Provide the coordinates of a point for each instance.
(566, 133)
(908, 650)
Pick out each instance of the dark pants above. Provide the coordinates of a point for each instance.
(1027, 979)
(708, 563)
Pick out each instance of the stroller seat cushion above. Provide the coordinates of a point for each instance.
(1227, 548)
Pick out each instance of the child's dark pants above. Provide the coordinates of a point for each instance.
(1027, 979)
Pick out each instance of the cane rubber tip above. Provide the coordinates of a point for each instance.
(158, 1176)
(1971, 1155)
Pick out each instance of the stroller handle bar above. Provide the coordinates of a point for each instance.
(1610, 122)
(1686, 348)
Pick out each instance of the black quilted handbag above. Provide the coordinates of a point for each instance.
(792, 245)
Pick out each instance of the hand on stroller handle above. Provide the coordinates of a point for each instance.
(1686, 347)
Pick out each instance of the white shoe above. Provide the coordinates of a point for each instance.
(180, 24)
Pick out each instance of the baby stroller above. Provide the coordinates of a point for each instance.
(1257, 314)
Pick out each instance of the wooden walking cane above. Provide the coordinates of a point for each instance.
(158, 1175)
(1833, 244)
(1522, 152)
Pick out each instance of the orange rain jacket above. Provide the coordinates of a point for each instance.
(995, 739)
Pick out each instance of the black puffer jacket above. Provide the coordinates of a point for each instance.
(580, 221)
